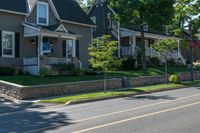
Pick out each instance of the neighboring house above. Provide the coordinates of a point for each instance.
(38, 33)
(128, 37)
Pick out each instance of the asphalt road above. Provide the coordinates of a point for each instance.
(176, 111)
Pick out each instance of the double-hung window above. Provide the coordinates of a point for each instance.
(42, 13)
(8, 44)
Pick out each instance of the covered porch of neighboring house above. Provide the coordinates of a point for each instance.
(127, 43)
(52, 45)
(130, 40)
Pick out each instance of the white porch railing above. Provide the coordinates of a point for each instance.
(149, 51)
(77, 62)
(30, 61)
(128, 51)
(52, 60)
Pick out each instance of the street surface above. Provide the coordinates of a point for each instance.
(175, 111)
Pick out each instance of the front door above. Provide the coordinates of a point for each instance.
(69, 49)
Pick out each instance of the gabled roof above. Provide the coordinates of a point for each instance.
(70, 10)
(67, 10)
(19, 6)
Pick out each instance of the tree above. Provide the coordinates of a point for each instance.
(164, 49)
(154, 13)
(102, 55)
(186, 19)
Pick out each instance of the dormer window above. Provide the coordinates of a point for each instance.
(42, 13)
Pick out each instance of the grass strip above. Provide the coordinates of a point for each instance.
(110, 94)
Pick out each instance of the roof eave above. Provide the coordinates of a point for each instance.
(13, 12)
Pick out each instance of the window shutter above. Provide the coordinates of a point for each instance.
(77, 49)
(64, 48)
(0, 43)
(17, 45)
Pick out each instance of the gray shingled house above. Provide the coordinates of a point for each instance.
(38, 33)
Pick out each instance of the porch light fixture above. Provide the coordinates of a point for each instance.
(33, 42)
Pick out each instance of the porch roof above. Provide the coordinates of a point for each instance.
(58, 30)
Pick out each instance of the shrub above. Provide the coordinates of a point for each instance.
(153, 62)
(175, 79)
(44, 72)
(7, 71)
(64, 67)
(128, 64)
(89, 71)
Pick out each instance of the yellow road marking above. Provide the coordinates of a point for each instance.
(138, 117)
(118, 112)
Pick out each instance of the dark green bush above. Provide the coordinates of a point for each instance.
(64, 67)
(7, 71)
(128, 64)
(44, 72)
(175, 79)
(89, 71)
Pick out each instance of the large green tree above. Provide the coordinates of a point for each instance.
(187, 19)
(155, 13)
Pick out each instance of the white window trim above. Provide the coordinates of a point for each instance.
(109, 20)
(47, 5)
(13, 44)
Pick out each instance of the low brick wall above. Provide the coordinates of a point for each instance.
(31, 92)
(152, 80)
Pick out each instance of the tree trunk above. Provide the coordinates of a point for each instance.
(166, 71)
(191, 64)
(105, 82)
(191, 55)
(143, 57)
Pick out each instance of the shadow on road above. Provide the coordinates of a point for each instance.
(16, 118)
(150, 97)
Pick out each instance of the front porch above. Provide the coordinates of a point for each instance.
(130, 41)
(52, 47)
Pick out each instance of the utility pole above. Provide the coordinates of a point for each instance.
(191, 54)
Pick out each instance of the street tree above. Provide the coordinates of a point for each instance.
(102, 52)
(187, 18)
(164, 48)
(154, 13)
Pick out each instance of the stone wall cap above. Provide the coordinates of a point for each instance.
(12, 84)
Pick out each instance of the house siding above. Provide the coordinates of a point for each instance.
(84, 41)
(32, 18)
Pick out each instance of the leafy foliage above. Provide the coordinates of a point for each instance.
(155, 13)
(7, 71)
(102, 54)
(45, 72)
(175, 79)
(164, 47)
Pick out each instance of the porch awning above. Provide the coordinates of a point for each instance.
(59, 30)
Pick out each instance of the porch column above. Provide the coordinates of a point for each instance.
(74, 48)
(178, 48)
(119, 40)
(39, 51)
(134, 44)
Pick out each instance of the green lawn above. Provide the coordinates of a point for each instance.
(36, 80)
(101, 95)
